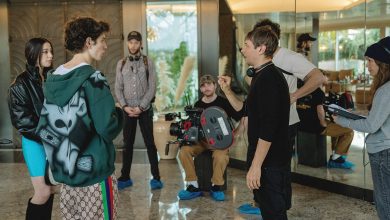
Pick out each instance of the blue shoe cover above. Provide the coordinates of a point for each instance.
(218, 195)
(124, 184)
(249, 209)
(156, 184)
(345, 165)
(187, 195)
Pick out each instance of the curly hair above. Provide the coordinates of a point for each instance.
(275, 27)
(78, 30)
(382, 77)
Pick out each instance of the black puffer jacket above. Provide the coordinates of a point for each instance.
(25, 98)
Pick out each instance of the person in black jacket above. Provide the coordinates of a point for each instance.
(25, 98)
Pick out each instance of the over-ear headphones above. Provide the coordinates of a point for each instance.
(134, 58)
(250, 71)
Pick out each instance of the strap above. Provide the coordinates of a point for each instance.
(284, 71)
(123, 63)
(145, 58)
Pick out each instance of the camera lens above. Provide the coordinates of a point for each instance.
(174, 129)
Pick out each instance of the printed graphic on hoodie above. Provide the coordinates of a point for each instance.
(66, 135)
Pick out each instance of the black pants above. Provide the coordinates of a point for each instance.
(146, 124)
(274, 195)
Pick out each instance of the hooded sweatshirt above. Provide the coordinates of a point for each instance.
(77, 126)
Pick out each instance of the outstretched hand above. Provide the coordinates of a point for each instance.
(224, 82)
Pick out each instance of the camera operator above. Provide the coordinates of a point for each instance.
(220, 157)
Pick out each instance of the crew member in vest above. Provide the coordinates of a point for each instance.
(208, 86)
(135, 89)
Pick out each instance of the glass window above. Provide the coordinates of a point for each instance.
(172, 44)
(344, 49)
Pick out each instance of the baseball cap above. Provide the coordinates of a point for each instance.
(134, 35)
(306, 37)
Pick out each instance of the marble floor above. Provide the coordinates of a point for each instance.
(139, 202)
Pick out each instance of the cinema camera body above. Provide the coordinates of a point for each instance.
(210, 125)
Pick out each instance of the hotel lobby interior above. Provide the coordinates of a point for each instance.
(210, 34)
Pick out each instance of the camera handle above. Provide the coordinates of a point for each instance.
(169, 143)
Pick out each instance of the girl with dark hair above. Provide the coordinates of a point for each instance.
(25, 98)
(78, 124)
(377, 124)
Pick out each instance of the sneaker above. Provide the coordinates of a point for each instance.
(248, 208)
(340, 163)
(124, 182)
(216, 193)
(190, 193)
(156, 184)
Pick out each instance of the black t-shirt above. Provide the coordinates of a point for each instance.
(222, 103)
(308, 116)
(268, 108)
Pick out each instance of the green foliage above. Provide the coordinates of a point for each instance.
(176, 63)
(177, 60)
(350, 46)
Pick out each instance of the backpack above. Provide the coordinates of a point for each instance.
(346, 100)
(145, 59)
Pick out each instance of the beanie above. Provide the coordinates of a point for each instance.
(380, 51)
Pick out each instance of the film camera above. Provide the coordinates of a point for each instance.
(187, 130)
(210, 125)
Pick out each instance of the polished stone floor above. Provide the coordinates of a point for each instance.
(139, 202)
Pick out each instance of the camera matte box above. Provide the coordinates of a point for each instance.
(216, 128)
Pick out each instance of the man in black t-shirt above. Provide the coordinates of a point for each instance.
(220, 157)
(268, 108)
(312, 114)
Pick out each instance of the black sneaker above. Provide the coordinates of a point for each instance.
(192, 188)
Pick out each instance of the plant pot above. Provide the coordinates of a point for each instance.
(162, 136)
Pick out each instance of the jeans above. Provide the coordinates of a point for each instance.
(380, 169)
(146, 124)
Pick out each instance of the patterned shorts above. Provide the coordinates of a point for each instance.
(98, 201)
